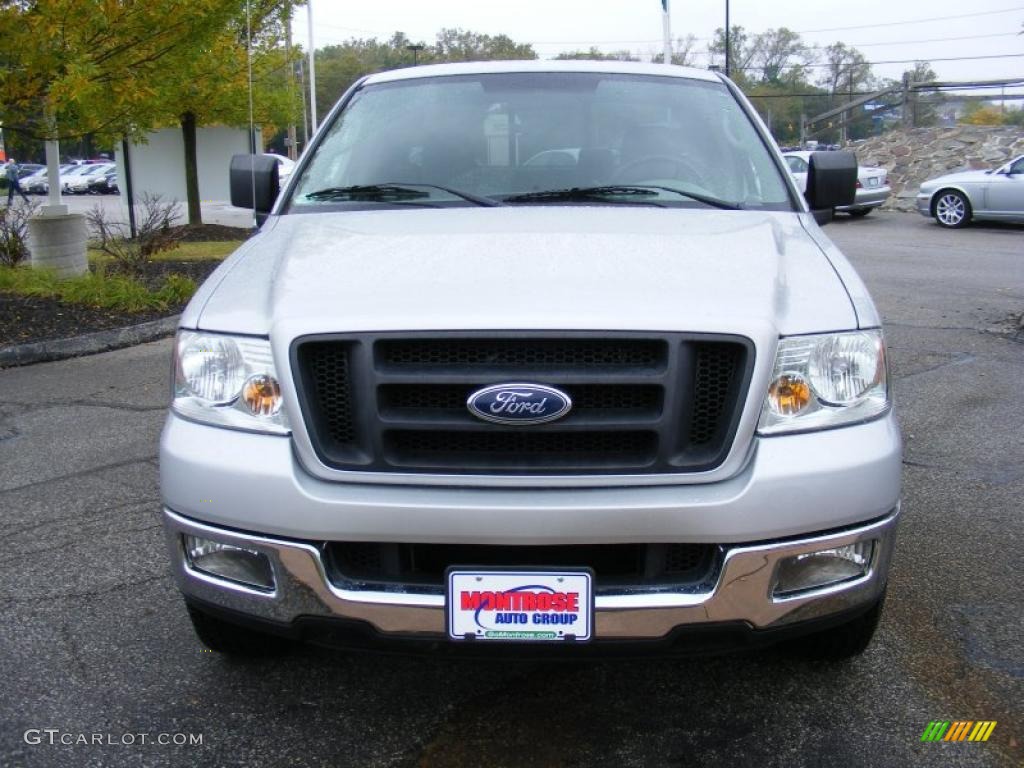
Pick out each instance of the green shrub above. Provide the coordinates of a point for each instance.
(97, 289)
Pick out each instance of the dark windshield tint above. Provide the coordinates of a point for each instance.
(499, 135)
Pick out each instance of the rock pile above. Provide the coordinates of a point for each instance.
(919, 154)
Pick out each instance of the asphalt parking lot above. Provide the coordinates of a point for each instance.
(95, 639)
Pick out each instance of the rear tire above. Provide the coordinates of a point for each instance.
(951, 209)
(859, 213)
(845, 641)
(235, 640)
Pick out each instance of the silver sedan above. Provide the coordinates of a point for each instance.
(957, 199)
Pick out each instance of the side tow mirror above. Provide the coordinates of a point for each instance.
(831, 182)
(254, 183)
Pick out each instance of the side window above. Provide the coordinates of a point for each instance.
(1018, 167)
(796, 164)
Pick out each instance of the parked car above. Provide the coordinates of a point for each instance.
(78, 183)
(28, 169)
(105, 183)
(285, 166)
(872, 183)
(957, 199)
(38, 183)
(444, 397)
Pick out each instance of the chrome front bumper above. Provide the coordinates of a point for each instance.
(742, 591)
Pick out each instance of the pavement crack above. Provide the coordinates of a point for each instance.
(74, 651)
(86, 594)
(68, 544)
(87, 404)
(78, 516)
(80, 473)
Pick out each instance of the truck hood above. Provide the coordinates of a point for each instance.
(526, 268)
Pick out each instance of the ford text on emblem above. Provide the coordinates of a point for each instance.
(519, 403)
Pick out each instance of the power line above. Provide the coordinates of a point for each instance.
(809, 31)
(912, 21)
(905, 61)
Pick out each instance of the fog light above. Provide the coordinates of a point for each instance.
(226, 561)
(823, 568)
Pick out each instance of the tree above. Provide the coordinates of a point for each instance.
(212, 87)
(463, 45)
(977, 113)
(779, 56)
(683, 53)
(923, 102)
(339, 66)
(596, 55)
(741, 53)
(847, 69)
(74, 67)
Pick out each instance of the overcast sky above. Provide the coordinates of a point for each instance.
(885, 29)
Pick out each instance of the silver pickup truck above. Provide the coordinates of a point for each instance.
(534, 355)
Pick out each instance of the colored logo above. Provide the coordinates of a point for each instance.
(519, 404)
(958, 730)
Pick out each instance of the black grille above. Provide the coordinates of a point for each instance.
(642, 403)
(329, 390)
(522, 450)
(537, 353)
(715, 369)
(614, 565)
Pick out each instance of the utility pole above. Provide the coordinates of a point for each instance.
(728, 47)
(666, 33)
(908, 117)
(312, 66)
(292, 152)
(305, 117)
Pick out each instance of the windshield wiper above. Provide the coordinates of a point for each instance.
(584, 194)
(370, 193)
(394, 193)
(487, 202)
(629, 190)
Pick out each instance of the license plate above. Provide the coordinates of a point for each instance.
(873, 182)
(513, 605)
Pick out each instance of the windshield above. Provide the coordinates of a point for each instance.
(502, 138)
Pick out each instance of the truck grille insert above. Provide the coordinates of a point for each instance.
(615, 565)
(642, 403)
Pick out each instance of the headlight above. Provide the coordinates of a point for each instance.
(229, 381)
(826, 381)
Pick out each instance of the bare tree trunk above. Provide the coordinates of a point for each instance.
(188, 133)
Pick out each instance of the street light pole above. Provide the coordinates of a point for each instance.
(728, 68)
(666, 31)
(312, 66)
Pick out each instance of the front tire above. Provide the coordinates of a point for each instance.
(232, 639)
(845, 641)
(952, 209)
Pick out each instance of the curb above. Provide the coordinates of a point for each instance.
(87, 344)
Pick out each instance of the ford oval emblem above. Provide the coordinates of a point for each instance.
(519, 403)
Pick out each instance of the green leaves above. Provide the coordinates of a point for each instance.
(111, 67)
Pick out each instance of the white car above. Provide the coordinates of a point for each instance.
(38, 183)
(78, 183)
(285, 166)
(872, 183)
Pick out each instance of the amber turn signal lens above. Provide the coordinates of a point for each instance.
(262, 395)
(789, 394)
